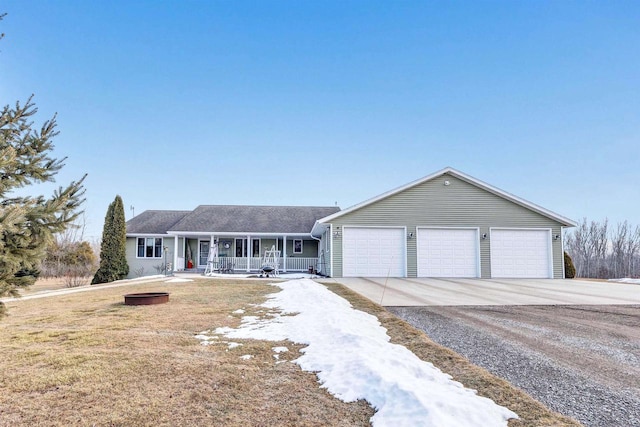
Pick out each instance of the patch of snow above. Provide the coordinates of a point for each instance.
(295, 276)
(178, 280)
(626, 280)
(154, 276)
(234, 345)
(227, 276)
(249, 319)
(351, 354)
(280, 349)
(204, 337)
(246, 356)
(239, 311)
(276, 356)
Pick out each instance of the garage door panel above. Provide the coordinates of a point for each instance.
(447, 252)
(373, 252)
(520, 253)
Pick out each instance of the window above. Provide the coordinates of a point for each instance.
(241, 248)
(297, 246)
(255, 244)
(150, 247)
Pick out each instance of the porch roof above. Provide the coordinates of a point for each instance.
(231, 219)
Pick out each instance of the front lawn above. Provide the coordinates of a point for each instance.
(85, 359)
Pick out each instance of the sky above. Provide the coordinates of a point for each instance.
(353, 357)
(175, 104)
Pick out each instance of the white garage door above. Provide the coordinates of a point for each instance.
(521, 253)
(447, 252)
(373, 252)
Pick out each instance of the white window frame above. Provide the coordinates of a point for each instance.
(301, 246)
(253, 240)
(242, 247)
(146, 246)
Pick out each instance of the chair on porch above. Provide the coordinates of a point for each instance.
(226, 265)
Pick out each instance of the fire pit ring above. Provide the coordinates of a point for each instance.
(146, 298)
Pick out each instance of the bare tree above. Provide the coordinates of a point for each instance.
(599, 251)
(69, 256)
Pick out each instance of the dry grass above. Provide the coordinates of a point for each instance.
(55, 283)
(87, 359)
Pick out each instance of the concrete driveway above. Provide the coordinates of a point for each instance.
(451, 292)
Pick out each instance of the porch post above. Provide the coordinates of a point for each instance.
(249, 250)
(211, 253)
(175, 254)
(284, 253)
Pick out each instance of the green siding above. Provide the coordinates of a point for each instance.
(459, 204)
(146, 266)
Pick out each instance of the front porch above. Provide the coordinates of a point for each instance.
(244, 254)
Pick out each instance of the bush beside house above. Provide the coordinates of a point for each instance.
(569, 268)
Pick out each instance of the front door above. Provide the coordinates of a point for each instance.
(204, 252)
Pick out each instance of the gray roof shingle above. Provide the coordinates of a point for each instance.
(231, 219)
(154, 222)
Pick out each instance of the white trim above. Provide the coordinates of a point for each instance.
(232, 234)
(243, 240)
(259, 246)
(330, 251)
(477, 230)
(175, 253)
(448, 170)
(198, 265)
(145, 237)
(284, 252)
(549, 244)
(564, 273)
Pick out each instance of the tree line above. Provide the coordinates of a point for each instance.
(602, 251)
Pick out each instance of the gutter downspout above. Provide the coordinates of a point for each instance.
(318, 251)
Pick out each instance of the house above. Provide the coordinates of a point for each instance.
(241, 235)
(447, 224)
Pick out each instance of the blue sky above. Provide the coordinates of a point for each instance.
(176, 104)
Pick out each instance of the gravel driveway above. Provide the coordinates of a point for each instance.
(582, 361)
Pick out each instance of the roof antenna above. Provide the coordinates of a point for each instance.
(133, 212)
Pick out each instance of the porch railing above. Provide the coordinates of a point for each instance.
(255, 263)
(301, 264)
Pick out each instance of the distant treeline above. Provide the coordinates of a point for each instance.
(602, 251)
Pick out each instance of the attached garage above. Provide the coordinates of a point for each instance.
(448, 252)
(521, 253)
(374, 252)
(447, 224)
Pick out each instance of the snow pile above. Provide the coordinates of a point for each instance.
(353, 358)
(178, 280)
(626, 280)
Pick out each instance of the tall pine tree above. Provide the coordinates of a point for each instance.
(113, 259)
(28, 222)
